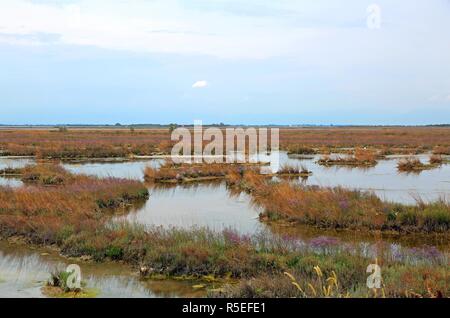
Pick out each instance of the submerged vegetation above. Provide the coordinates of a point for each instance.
(341, 208)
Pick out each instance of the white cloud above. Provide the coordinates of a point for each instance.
(200, 84)
(153, 27)
(327, 33)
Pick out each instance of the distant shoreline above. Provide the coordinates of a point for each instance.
(166, 126)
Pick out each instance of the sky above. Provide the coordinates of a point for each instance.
(231, 61)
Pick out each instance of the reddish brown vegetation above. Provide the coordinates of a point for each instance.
(171, 172)
(294, 170)
(377, 137)
(412, 164)
(441, 150)
(340, 208)
(83, 143)
(74, 203)
(436, 160)
(101, 143)
(361, 157)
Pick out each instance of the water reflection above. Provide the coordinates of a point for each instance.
(11, 162)
(10, 182)
(200, 204)
(128, 169)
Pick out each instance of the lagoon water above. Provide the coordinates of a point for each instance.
(198, 205)
(13, 163)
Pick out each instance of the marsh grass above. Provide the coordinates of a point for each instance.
(407, 140)
(184, 172)
(441, 150)
(84, 143)
(436, 160)
(313, 282)
(340, 208)
(170, 172)
(203, 254)
(300, 150)
(63, 143)
(47, 214)
(294, 170)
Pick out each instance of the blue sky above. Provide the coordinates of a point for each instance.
(234, 61)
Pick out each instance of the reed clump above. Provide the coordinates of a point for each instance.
(412, 164)
(291, 170)
(361, 157)
(436, 160)
(48, 174)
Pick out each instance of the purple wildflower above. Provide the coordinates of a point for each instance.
(323, 242)
(235, 238)
(344, 204)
